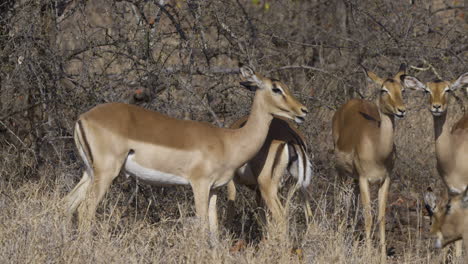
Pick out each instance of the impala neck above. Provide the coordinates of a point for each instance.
(386, 132)
(441, 127)
(442, 135)
(247, 141)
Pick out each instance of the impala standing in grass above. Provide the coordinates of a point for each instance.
(363, 140)
(161, 150)
(451, 138)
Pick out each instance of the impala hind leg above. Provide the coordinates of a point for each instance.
(270, 177)
(231, 206)
(273, 203)
(212, 214)
(98, 188)
(383, 194)
(77, 195)
(205, 205)
(305, 197)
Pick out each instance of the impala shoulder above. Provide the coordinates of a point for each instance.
(461, 126)
(362, 108)
(369, 111)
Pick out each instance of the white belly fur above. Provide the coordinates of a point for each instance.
(152, 176)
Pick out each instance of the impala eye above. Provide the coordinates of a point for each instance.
(426, 91)
(447, 208)
(277, 91)
(383, 91)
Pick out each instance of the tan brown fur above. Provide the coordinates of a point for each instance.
(363, 140)
(199, 153)
(449, 220)
(451, 140)
(268, 166)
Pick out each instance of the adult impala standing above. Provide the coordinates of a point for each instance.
(363, 141)
(161, 150)
(451, 138)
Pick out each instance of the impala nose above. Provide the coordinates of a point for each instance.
(437, 106)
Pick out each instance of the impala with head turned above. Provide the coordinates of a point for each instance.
(451, 135)
(284, 149)
(363, 141)
(161, 150)
(449, 220)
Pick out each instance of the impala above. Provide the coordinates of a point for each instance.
(449, 220)
(284, 148)
(451, 138)
(363, 142)
(161, 150)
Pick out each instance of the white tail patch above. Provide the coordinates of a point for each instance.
(301, 169)
(308, 172)
(152, 176)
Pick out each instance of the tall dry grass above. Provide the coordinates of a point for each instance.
(33, 229)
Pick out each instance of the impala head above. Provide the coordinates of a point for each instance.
(391, 93)
(278, 99)
(438, 91)
(447, 219)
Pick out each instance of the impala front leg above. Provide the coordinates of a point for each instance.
(366, 205)
(212, 214)
(205, 205)
(459, 248)
(383, 194)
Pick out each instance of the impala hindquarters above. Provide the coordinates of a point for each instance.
(363, 142)
(161, 150)
(283, 150)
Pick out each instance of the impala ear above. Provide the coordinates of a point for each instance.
(252, 80)
(460, 82)
(465, 198)
(430, 201)
(373, 76)
(411, 82)
(400, 72)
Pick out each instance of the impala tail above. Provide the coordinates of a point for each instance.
(82, 144)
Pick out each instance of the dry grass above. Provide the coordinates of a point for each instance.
(38, 108)
(33, 229)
